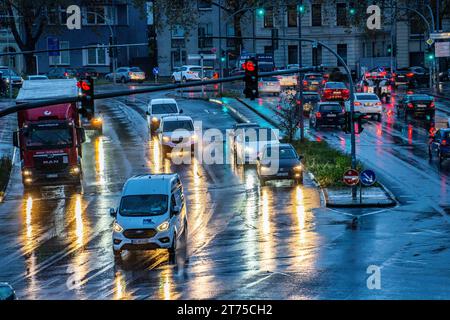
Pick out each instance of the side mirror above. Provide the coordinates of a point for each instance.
(181, 110)
(16, 139)
(300, 158)
(176, 210)
(112, 212)
(147, 113)
(81, 135)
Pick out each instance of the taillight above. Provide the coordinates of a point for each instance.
(318, 115)
(305, 83)
(432, 104)
(367, 74)
(394, 74)
(260, 84)
(357, 103)
(444, 142)
(410, 105)
(66, 74)
(324, 81)
(378, 103)
(410, 75)
(130, 73)
(346, 93)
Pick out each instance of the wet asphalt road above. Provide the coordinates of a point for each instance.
(245, 242)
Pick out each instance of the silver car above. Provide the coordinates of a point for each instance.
(269, 85)
(127, 74)
(7, 74)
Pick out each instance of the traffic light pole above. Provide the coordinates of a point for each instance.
(300, 65)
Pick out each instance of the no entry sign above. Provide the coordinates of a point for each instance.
(351, 177)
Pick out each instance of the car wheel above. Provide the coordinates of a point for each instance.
(184, 79)
(173, 248)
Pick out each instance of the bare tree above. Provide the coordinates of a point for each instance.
(289, 114)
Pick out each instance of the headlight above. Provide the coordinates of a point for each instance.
(194, 137)
(117, 227)
(298, 168)
(166, 139)
(154, 119)
(98, 120)
(27, 172)
(163, 226)
(75, 170)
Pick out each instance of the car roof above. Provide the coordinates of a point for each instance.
(149, 184)
(163, 101)
(176, 118)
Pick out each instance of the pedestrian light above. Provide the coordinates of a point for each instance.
(430, 56)
(251, 78)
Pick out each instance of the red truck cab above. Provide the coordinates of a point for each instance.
(49, 139)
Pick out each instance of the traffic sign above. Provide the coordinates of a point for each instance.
(204, 56)
(155, 71)
(368, 178)
(430, 41)
(351, 177)
(442, 49)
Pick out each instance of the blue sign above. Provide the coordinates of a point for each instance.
(155, 71)
(368, 178)
(53, 44)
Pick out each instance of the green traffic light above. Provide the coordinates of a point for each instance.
(222, 59)
(352, 11)
(431, 56)
(301, 8)
(260, 12)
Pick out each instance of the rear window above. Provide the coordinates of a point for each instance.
(313, 77)
(196, 69)
(330, 108)
(370, 97)
(164, 108)
(335, 85)
(311, 97)
(446, 134)
(420, 97)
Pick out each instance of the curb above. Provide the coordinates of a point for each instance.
(234, 113)
(268, 119)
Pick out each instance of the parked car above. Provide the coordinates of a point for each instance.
(37, 77)
(250, 142)
(313, 81)
(7, 292)
(82, 73)
(269, 85)
(187, 73)
(367, 104)
(416, 104)
(127, 74)
(440, 145)
(176, 131)
(61, 73)
(152, 214)
(279, 162)
(159, 108)
(7, 73)
(326, 114)
(335, 91)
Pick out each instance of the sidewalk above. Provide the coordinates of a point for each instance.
(7, 126)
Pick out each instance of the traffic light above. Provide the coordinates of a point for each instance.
(430, 54)
(389, 49)
(352, 9)
(223, 58)
(87, 95)
(357, 118)
(260, 12)
(301, 8)
(251, 78)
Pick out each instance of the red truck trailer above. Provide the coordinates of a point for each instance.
(49, 138)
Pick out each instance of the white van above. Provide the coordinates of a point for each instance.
(159, 108)
(151, 214)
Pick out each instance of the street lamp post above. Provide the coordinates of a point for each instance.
(300, 10)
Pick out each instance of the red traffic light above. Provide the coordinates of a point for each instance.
(83, 85)
(249, 66)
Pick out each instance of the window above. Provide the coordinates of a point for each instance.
(230, 33)
(292, 16)
(177, 32)
(268, 18)
(52, 16)
(95, 56)
(342, 51)
(64, 56)
(178, 58)
(292, 54)
(100, 15)
(341, 14)
(316, 15)
(205, 30)
(178, 43)
(204, 4)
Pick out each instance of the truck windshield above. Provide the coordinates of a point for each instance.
(164, 108)
(144, 205)
(48, 137)
(171, 126)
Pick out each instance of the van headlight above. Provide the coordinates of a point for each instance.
(117, 227)
(75, 170)
(155, 119)
(166, 139)
(27, 172)
(163, 226)
(298, 167)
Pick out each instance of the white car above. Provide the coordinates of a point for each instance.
(176, 131)
(250, 142)
(151, 214)
(269, 85)
(187, 73)
(127, 74)
(159, 108)
(289, 80)
(368, 104)
(38, 77)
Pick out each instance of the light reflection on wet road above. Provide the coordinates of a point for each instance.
(244, 241)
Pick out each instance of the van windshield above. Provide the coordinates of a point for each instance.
(143, 205)
(164, 108)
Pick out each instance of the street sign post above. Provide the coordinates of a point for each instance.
(351, 177)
